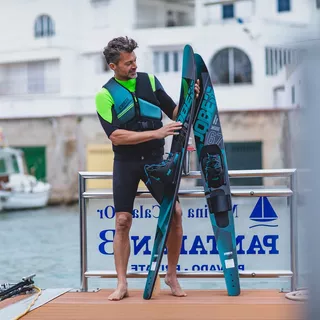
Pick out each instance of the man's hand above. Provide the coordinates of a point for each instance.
(197, 88)
(197, 92)
(168, 130)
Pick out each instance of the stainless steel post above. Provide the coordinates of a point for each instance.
(294, 231)
(186, 163)
(187, 159)
(83, 234)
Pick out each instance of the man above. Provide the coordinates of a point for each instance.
(129, 108)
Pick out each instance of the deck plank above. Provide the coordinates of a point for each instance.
(12, 300)
(199, 304)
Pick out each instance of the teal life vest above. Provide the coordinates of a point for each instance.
(135, 111)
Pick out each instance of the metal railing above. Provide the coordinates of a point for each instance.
(290, 192)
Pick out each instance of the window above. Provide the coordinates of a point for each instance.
(293, 95)
(35, 158)
(284, 5)
(279, 97)
(15, 164)
(101, 14)
(3, 167)
(30, 77)
(36, 77)
(44, 27)
(176, 61)
(230, 66)
(318, 4)
(276, 58)
(167, 61)
(171, 20)
(13, 78)
(43, 77)
(98, 63)
(106, 67)
(228, 11)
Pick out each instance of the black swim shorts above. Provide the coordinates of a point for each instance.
(126, 176)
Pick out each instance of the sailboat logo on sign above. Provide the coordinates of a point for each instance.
(263, 213)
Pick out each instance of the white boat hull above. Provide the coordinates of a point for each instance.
(22, 191)
(4, 195)
(22, 200)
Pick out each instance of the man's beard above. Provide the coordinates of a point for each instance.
(132, 75)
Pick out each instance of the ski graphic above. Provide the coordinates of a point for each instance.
(214, 171)
(170, 170)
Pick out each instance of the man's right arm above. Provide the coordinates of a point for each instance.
(104, 103)
(125, 137)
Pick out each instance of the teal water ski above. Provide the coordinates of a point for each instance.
(214, 170)
(170, 170)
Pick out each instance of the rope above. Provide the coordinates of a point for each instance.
(31, 304)
(300, 295)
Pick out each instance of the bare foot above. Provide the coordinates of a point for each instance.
(175, 287)
(120, 293)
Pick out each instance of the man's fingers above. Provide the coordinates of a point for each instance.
(197, 88)
(174, 131)
(174, 126)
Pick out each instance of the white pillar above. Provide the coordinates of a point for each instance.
(199, 12)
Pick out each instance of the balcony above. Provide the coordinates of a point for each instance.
(179, 13)
(165, 13)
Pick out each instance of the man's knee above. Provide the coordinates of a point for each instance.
(177, 217)
(178, 210)
(123, 221)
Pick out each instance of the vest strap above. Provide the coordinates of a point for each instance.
(143, 125)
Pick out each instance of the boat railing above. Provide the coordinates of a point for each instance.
(289, 192)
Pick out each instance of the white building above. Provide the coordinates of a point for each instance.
(51, 66)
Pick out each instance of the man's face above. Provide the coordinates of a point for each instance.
(126, 68)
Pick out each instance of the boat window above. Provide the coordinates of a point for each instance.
(3, 168)
(15, 164)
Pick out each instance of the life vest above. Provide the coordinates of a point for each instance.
(135, 111)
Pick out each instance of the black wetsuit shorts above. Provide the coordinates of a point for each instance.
(127, 173)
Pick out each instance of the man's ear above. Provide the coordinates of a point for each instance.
(112, 66)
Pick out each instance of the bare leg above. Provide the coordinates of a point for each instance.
(121, 248)
(174, 242)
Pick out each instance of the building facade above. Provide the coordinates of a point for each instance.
(51, 66)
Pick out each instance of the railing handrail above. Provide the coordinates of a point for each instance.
(111, 274)
(197, 175)
(285, 191)
(247, 192)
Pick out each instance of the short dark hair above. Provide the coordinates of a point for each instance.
(117, 45)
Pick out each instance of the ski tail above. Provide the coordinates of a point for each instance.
(172, 168)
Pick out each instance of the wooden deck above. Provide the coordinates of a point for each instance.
(199, 305)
